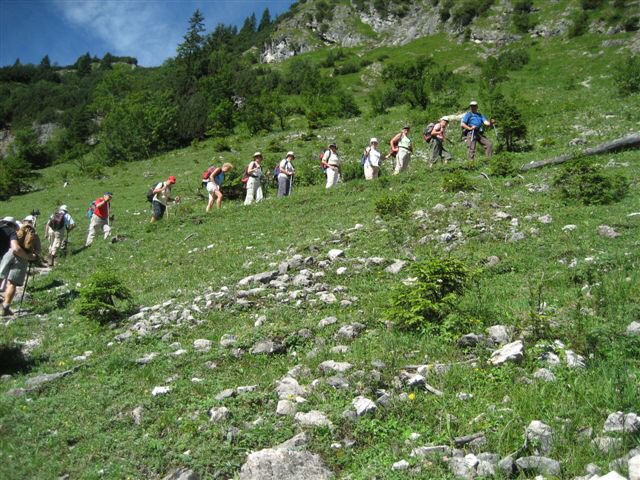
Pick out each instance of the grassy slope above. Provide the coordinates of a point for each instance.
(82, 424)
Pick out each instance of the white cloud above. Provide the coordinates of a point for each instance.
(130, 27)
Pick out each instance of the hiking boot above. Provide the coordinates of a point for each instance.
(6, 311)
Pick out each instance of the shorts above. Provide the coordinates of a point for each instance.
(213, 187)
(158, 209)
(14, 268)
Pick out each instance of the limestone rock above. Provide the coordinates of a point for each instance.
(226, 393)
(633, 329)
(539, 465)
(334, 254)
(499, 334)
(268, 347)
(350, 331)
(202, 345)
(288, 387)
(607, 444)
(228, 340)
(470, 340)
(219, 414)
(401, 465)
(511, 352)
(395, 267)
(464, 467)
(157, 391)
(181, 474)
(286, 408)
(540, 436)
(283, 464)
(314, 418)
(363, 406)
(544, 374)
(621, 422)
(332, 366)
(607, 231)
(325, 322)
(634, 468)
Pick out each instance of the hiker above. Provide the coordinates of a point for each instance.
(56, 229)
(162, 195)
(24, 247)
(331, 163)
(286, 171)
(473, 124)
(206, 174)
(371, 158)
(254, 186)
(402, 143)
(438, 136)
(100, 219)
(214, 181)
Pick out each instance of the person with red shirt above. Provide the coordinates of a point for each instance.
(100, 218)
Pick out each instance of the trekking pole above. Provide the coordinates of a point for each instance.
(24, 289)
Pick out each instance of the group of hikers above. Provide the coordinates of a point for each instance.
(20, 243)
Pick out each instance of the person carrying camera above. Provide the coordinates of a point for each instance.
(100, 220)
(162, 195)
(24, 247)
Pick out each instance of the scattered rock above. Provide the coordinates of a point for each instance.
(492, 261)
(137, 415)
(268, 347)
(181, 474)
(544, 374)
(363, 405)
(396, 267)
(633, 329)
(607, 231)
(574, 360)
(464, 467)
(607, 444)
(334, 254)
(219, 414)
(157, 391)
(634, 468)
(511, 352)
(539, 437)
(224, 394)
(545, 219)
(499, 334)
(475, 438)
(539, 465)
(147, 358)
(286, 408)
(314, 418)
(431, 451)
(330, 366)
(612, 476)
(569, 228)
(228, 340)
(470, 340)
(401, 465)
(350, 331)
(325, 322)
(621, 422)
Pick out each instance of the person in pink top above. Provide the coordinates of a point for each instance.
(438, 136)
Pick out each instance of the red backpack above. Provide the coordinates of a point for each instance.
(207, 172)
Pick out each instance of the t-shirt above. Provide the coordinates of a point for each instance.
(68, 221)
(257, 173)
(162, 197)
(103, 210)
(474, 120)
(286, 165)
(405, 142)
(331, 158)
(373, 157)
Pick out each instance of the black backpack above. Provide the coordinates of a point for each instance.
(57, 221)
(150, 193)
(5, 238)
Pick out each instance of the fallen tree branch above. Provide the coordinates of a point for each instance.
(629, 141)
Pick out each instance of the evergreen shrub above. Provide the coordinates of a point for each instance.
(425, 303)
(589, 184)
(391, 206)
(104, 298)
(456, 181)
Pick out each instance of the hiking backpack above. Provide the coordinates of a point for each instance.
(28, 239)
(207, 172)
(5, 239)
(276, 172)
(150, 193)
(57, 221)
(364, 157)
(324, 167)
(427, 132)
(91, 209)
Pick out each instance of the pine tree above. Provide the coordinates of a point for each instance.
(45, 62)
(265, 21)
(190, 51)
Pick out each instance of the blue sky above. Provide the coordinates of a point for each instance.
(149, 30)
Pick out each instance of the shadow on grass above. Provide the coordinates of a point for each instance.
(13, 360)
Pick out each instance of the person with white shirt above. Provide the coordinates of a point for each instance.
(286, 171)
(254, 186)
(331, 163)
(371, 160)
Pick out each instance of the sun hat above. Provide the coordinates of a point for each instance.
(11, 220)
(29, 218)
(291, 154)
(63, 208)
(373, 140)
(473, 103)
(406, 127)
(257, 154)
(445, 118)
(333, 145)
(172, 179)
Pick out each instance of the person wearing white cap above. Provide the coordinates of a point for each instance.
(331, 163)
(254, 186)
(286, 171)
(473, 123)
(56, 229)
(24, 247)
(371, 160)
(438, 136)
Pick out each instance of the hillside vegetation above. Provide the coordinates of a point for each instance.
(247, 318)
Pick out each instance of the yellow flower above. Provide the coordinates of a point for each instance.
(412, 396)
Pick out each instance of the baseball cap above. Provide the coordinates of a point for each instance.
(172, 179)
(473, 103)
(63, 208)
(290, 154)
(11, 220)
(373, 140)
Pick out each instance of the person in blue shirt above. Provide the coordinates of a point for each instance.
(473, 124)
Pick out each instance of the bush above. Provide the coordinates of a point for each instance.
(456, 181)
(587, 183)
(221, 145)
(512, 134)
(514, 59)
(579, 25)
(627, 75)
(104, 298)
(424, 304)
(502, 166)
(392, 206)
